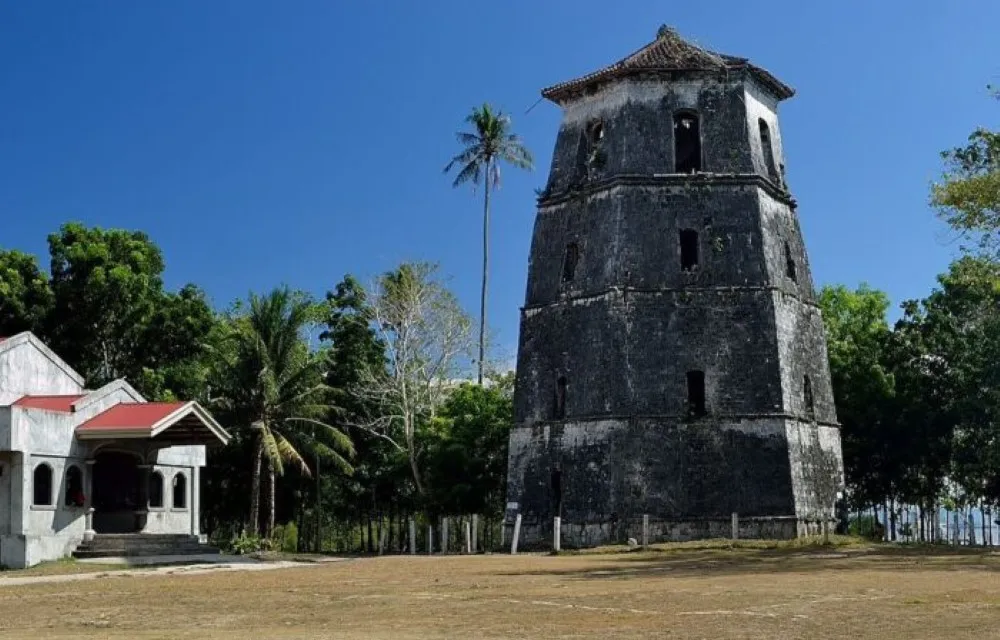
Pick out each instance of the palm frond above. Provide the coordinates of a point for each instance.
(290, 454)
(329, 455)
(271, 450)
(341, 441)
(472, 172)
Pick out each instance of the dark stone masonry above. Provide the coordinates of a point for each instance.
(672, 360)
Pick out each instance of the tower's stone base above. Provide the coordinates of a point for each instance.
(538, 534)
(779, 475)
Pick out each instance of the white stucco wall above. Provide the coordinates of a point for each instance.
(30, 437)
(28, 367)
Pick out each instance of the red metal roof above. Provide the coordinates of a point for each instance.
(131, 416)
(63, 404)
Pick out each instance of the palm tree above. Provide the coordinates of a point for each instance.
(483, 149)
(274, 385)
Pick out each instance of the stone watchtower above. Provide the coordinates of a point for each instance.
(672, 360)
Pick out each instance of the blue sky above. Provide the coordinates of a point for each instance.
(261, 143)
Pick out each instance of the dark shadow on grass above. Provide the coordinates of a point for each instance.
(741, 561)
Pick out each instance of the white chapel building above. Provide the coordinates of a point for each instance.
(78, 463)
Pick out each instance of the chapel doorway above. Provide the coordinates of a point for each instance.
(116, 498)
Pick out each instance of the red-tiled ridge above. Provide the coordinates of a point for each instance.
(63, 404)
(131, 415)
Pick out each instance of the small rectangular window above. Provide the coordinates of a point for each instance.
(790, 264)
(696, 393)
(689, 249)
(560, 399)
(687, 143)
(807, 397)
(570, 260)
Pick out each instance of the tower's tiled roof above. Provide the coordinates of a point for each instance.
(669, 52)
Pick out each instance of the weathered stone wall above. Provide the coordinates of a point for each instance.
(629, 323)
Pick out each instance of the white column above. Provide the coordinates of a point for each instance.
(475, 533)
(195, 501)
(88, 500)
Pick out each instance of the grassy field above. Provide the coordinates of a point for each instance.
(688, 591)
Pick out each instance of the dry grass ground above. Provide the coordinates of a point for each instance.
(680, 592)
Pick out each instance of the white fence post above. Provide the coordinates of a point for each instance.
(468, 537)
(556, 533)
(517, 534)
(645, 529)
(475, 533)
(736, 526)
(445, 534)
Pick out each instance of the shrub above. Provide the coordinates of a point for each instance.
(244, 544)
(867, 527)
(285, 538)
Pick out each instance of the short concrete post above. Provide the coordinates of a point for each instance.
(413, 536)
(736, 526)
(88, 501)
(445, 534)
(517, 534)
(430, 539)
(645, 529)
(468, 537)
(556, 533)
(475, 533)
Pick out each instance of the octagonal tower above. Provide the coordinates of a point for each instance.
(672, 360)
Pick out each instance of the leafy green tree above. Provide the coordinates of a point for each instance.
(858, 338)
(111, 317)
(25, 294)
(467, 442)
(490, 142)
(273, 385)
(968, 195)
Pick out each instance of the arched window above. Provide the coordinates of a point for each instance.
(156, 489)
(180, 491)
(790, 264)
(42, 485)
(807, 397)
(74, 487)
(689, 249)
(560, 399)
(687, 143)
(768, 150)
(696, 393)
(570, 261)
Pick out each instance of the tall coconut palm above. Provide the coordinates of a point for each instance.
(490, 142)
(274, 385)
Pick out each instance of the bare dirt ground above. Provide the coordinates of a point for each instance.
(686, 592)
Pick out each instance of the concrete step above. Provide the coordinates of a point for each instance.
(132, 545)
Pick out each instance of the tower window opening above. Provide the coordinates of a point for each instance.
(595, 132)
(696, 393)
(557, 493)
(790, 264)
(689, 249)
(687, 143)
(570, 260)
(560, 399)
(768, 150)
(807, 397)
